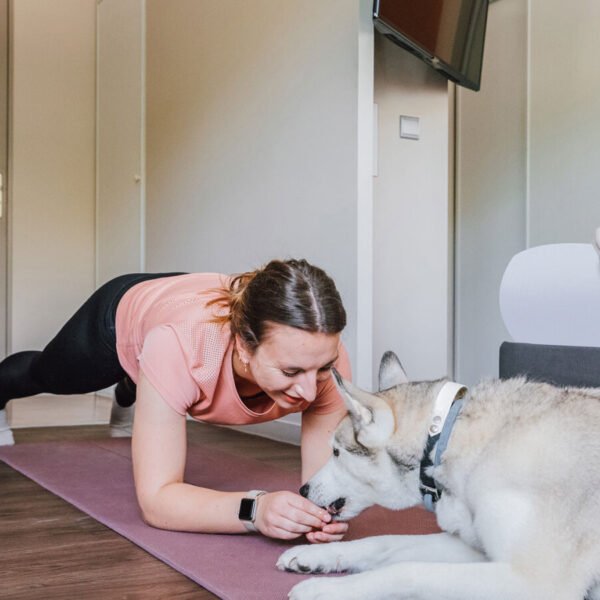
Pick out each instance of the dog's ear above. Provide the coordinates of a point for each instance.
(391, 372)
(372, 417)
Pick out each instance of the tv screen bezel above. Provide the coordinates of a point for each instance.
(401, 39)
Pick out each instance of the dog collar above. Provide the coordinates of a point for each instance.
(446, 408)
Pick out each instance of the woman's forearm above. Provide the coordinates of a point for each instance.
(185, 507)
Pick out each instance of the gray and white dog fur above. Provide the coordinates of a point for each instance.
(520, 510)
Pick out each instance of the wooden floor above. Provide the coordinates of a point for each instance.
(52, 551)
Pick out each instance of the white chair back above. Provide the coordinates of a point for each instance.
(551, 295)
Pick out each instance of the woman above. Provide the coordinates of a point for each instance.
(223, 350)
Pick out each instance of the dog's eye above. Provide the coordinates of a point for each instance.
(336, 452)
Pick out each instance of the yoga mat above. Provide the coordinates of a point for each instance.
(96, 477)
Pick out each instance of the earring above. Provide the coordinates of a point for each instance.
(244, 362)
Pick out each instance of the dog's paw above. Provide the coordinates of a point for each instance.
(316, 589)
(311, 559)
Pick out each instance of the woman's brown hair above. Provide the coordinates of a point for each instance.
(287, 292)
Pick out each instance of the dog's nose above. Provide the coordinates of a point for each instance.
(304, 490)
(338, 505)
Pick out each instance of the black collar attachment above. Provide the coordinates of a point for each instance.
(427, 485)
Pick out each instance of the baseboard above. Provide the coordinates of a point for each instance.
(48, 410)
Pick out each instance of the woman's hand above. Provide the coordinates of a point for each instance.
(287, 516)
(332, 532)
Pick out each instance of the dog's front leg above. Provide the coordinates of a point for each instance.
(437, 547)
(378, 551)
(430, 581)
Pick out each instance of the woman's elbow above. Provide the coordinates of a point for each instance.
(150, 512)
(150, 519)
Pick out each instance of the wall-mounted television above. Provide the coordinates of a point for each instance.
(449, 35)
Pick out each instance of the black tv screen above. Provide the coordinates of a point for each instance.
(447, 34)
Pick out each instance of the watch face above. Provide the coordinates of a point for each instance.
(246, 509)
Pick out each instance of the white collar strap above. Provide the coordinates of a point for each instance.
(450, 392)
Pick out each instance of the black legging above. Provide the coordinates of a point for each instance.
(82, 357)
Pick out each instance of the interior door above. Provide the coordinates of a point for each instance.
(3, 169)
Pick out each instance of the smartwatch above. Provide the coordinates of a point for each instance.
(248, 506)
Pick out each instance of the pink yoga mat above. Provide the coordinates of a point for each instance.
(96, 478)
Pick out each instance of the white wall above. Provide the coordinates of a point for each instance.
(252, 129)
(51, 262)
(412, 222)
(491, 137)
(528, 152)
(564, 122)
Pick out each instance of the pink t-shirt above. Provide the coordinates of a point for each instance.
(164, 328)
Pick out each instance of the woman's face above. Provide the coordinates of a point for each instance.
(290, 362)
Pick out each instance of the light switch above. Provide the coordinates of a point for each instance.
(410, 128)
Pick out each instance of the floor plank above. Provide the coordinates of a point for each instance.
(52, 551)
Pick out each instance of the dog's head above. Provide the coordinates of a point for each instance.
(373, 462)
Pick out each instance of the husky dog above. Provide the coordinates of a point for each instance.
(516, 492)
